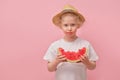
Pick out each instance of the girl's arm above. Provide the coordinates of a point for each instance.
(52, 66)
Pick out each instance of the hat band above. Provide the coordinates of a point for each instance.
(68, 10)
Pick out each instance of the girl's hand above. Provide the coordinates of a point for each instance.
(52, 66)
(85, 60)
(89, 64)
(60, 58)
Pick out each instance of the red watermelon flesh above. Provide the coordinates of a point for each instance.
(71, 55)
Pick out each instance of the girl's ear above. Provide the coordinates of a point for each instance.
(59, 25)
(80, 25)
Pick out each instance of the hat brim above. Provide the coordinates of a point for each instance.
(56, 19)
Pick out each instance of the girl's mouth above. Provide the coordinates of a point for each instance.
(69, 32)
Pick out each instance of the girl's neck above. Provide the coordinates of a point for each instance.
(70, 39)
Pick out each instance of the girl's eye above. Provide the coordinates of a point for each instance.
(66, 25)
(72, 24)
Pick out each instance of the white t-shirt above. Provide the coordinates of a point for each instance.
(67, 70)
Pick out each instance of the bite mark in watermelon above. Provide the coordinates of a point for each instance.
(71, 55)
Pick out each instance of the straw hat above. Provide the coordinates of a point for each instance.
(67, 9)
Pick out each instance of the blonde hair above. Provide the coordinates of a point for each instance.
(73, 15)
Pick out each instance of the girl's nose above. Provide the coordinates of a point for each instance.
(69, 28)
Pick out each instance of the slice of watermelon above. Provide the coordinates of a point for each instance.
(73, 56)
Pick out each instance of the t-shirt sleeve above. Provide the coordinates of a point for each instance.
(50, 54)
(92, 54)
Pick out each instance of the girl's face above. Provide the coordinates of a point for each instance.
(69, 25)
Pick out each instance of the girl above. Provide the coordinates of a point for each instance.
(69, 20)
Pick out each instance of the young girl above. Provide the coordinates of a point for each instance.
(69, 20)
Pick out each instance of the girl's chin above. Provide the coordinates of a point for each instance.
(70, 35)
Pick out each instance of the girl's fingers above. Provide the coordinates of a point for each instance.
(61, 56)
(58, 55)
(62, 59)
(86, 56)
(82, 57)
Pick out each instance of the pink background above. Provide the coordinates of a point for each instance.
(26, 31)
